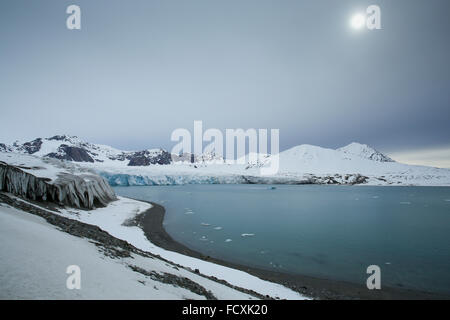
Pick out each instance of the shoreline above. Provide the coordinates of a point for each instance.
(151, 221)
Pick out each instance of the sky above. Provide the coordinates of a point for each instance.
(137, 70)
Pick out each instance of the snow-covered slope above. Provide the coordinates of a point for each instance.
(34, 257)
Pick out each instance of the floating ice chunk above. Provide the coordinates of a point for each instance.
(217, 228)
(387, 263)
(203, 238)
(448, 200)
(247, 235)
(205, 224)
(228, 240)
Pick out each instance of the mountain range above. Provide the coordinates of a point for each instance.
(71, 148)
(352, 164)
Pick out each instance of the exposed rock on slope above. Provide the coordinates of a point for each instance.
(29, 147)
(364, 151)
(83, 191)
(148, 157)
(75, 154)
(4, 148)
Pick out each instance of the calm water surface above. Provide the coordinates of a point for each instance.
(332, 232)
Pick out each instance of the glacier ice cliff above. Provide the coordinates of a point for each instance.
(125, 180)
(84, 191)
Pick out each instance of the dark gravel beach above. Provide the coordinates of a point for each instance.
(152, 223)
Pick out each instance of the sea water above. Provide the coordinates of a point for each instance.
(331, 232)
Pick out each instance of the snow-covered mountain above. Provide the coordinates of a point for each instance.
(71, 148)
(352, 164)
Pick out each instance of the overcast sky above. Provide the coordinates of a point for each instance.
(137, 70)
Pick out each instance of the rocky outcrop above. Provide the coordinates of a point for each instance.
(85, 191)
(59, 138)
(69, 153)
(4, 148)
(30, 147)
(148, 157)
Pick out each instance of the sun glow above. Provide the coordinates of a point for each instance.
(358, 21)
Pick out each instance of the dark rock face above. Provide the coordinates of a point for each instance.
(378, 156)
(359, 179)
(139, 159)
(76, 154)
(146, 158)
(58, 138)
(32, 146)
(83, 191)
(4, 147)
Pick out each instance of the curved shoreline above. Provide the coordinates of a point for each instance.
(152, 220)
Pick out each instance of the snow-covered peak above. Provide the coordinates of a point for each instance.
(66, 138)
(364, 151)
(306, 152)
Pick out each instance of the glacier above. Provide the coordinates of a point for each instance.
(85, 191)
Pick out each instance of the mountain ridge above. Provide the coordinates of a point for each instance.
(72, 148)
